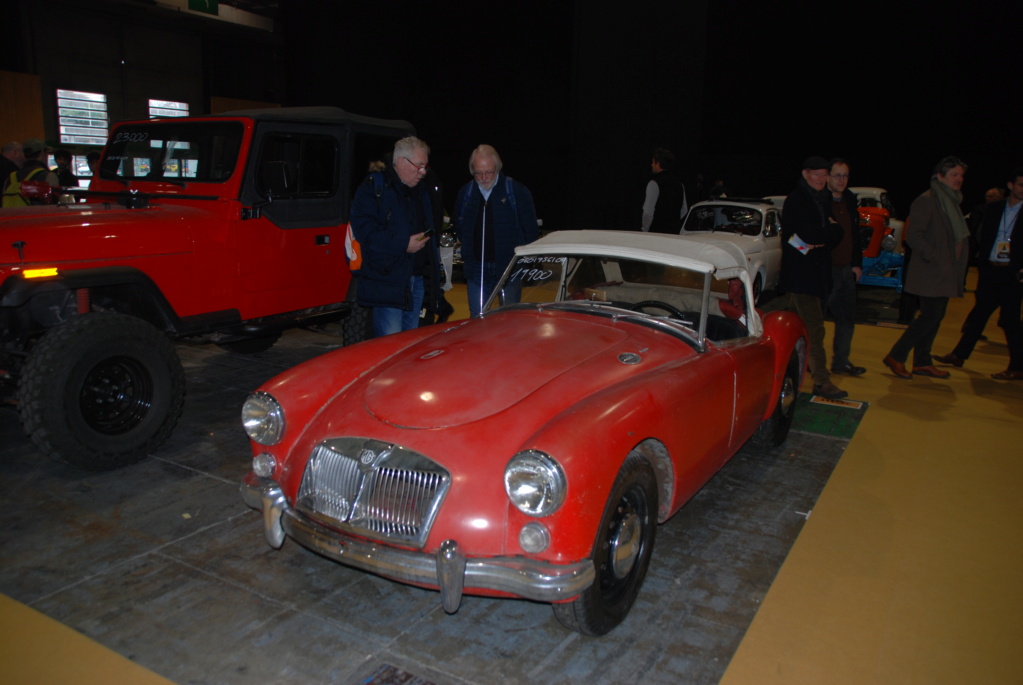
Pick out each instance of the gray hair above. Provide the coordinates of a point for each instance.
(406, 146)
(485, 151)
(11, 147)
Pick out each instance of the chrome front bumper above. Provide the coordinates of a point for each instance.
(448, 569)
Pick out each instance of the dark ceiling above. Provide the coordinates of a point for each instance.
(264, 8)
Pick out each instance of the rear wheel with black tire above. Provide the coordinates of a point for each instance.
(758, 288)
(775, 429)
(101, 391)
(621, 552)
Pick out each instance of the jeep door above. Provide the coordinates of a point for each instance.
(291, 233)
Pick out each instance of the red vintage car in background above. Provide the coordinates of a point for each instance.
(531, 452)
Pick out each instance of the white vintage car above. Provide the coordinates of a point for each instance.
(752, 224)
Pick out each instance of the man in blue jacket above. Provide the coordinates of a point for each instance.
(392, 220)
(493, 215)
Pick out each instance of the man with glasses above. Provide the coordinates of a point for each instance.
(846, 268)
(392, 219)
(494, 214)
(808, 235)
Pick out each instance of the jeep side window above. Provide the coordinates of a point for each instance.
(294, 166)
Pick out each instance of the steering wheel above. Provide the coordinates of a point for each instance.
(657, 304)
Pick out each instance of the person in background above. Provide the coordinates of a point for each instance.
(494, 214)
(999, 282)
(392, 219)
(65, 173)
(846, 268)
(11, 159)
(33, 169)
(92, 159)
(664, 205)
(939, 237)
(808, 236)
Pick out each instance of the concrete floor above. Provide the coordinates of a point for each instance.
(163, 563)
(907, 573)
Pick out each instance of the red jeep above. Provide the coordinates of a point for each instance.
(224, 229)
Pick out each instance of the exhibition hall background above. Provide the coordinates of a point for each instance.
(575, 95)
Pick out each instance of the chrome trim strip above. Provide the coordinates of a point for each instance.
(527, 578)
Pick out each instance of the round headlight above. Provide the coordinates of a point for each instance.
(263, 418)
(888, 243)
(535, 483)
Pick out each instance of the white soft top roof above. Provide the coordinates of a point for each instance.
(721, 258)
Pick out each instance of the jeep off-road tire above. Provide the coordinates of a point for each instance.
(358, 325)
(101, 391)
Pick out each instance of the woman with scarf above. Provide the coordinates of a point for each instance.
(939, 237)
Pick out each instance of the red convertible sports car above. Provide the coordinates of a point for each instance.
(531, 452)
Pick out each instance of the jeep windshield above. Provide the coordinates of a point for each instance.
(724, 219)
(173, 152)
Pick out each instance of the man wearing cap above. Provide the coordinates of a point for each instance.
(34, 169)
(808, 235)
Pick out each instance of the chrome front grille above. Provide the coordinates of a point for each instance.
(374, 489)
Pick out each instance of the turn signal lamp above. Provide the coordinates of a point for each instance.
(40, 273)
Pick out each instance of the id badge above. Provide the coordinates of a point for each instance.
(1003, 249)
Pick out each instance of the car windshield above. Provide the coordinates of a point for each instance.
(596, 283)
(724, 218)
(176, 152)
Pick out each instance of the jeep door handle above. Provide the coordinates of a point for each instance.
(323, 240)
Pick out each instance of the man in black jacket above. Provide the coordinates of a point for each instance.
(664, 204)
(999, 282)
(808, 235)
(846, 268)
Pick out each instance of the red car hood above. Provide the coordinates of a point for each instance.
(473, 372)
(82, 233)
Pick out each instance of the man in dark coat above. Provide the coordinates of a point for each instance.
(999, 282)
(808, 235)
(846, 268)
(664, 204)
(494, 214)
(392, 219)
(939, 237)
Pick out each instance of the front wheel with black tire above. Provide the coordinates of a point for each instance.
(101, 391)
(775, 429)
(621, 552)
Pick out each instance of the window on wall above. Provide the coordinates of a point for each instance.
(82, 117)
(167, 108)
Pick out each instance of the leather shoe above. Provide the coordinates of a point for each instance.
(931, 371)
(849, 369)
(1008, 375)
(829, 391)
(950, 359)
(897, 367)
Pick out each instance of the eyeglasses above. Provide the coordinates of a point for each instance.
(484, 174)
(840, 176)
(420, 168)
